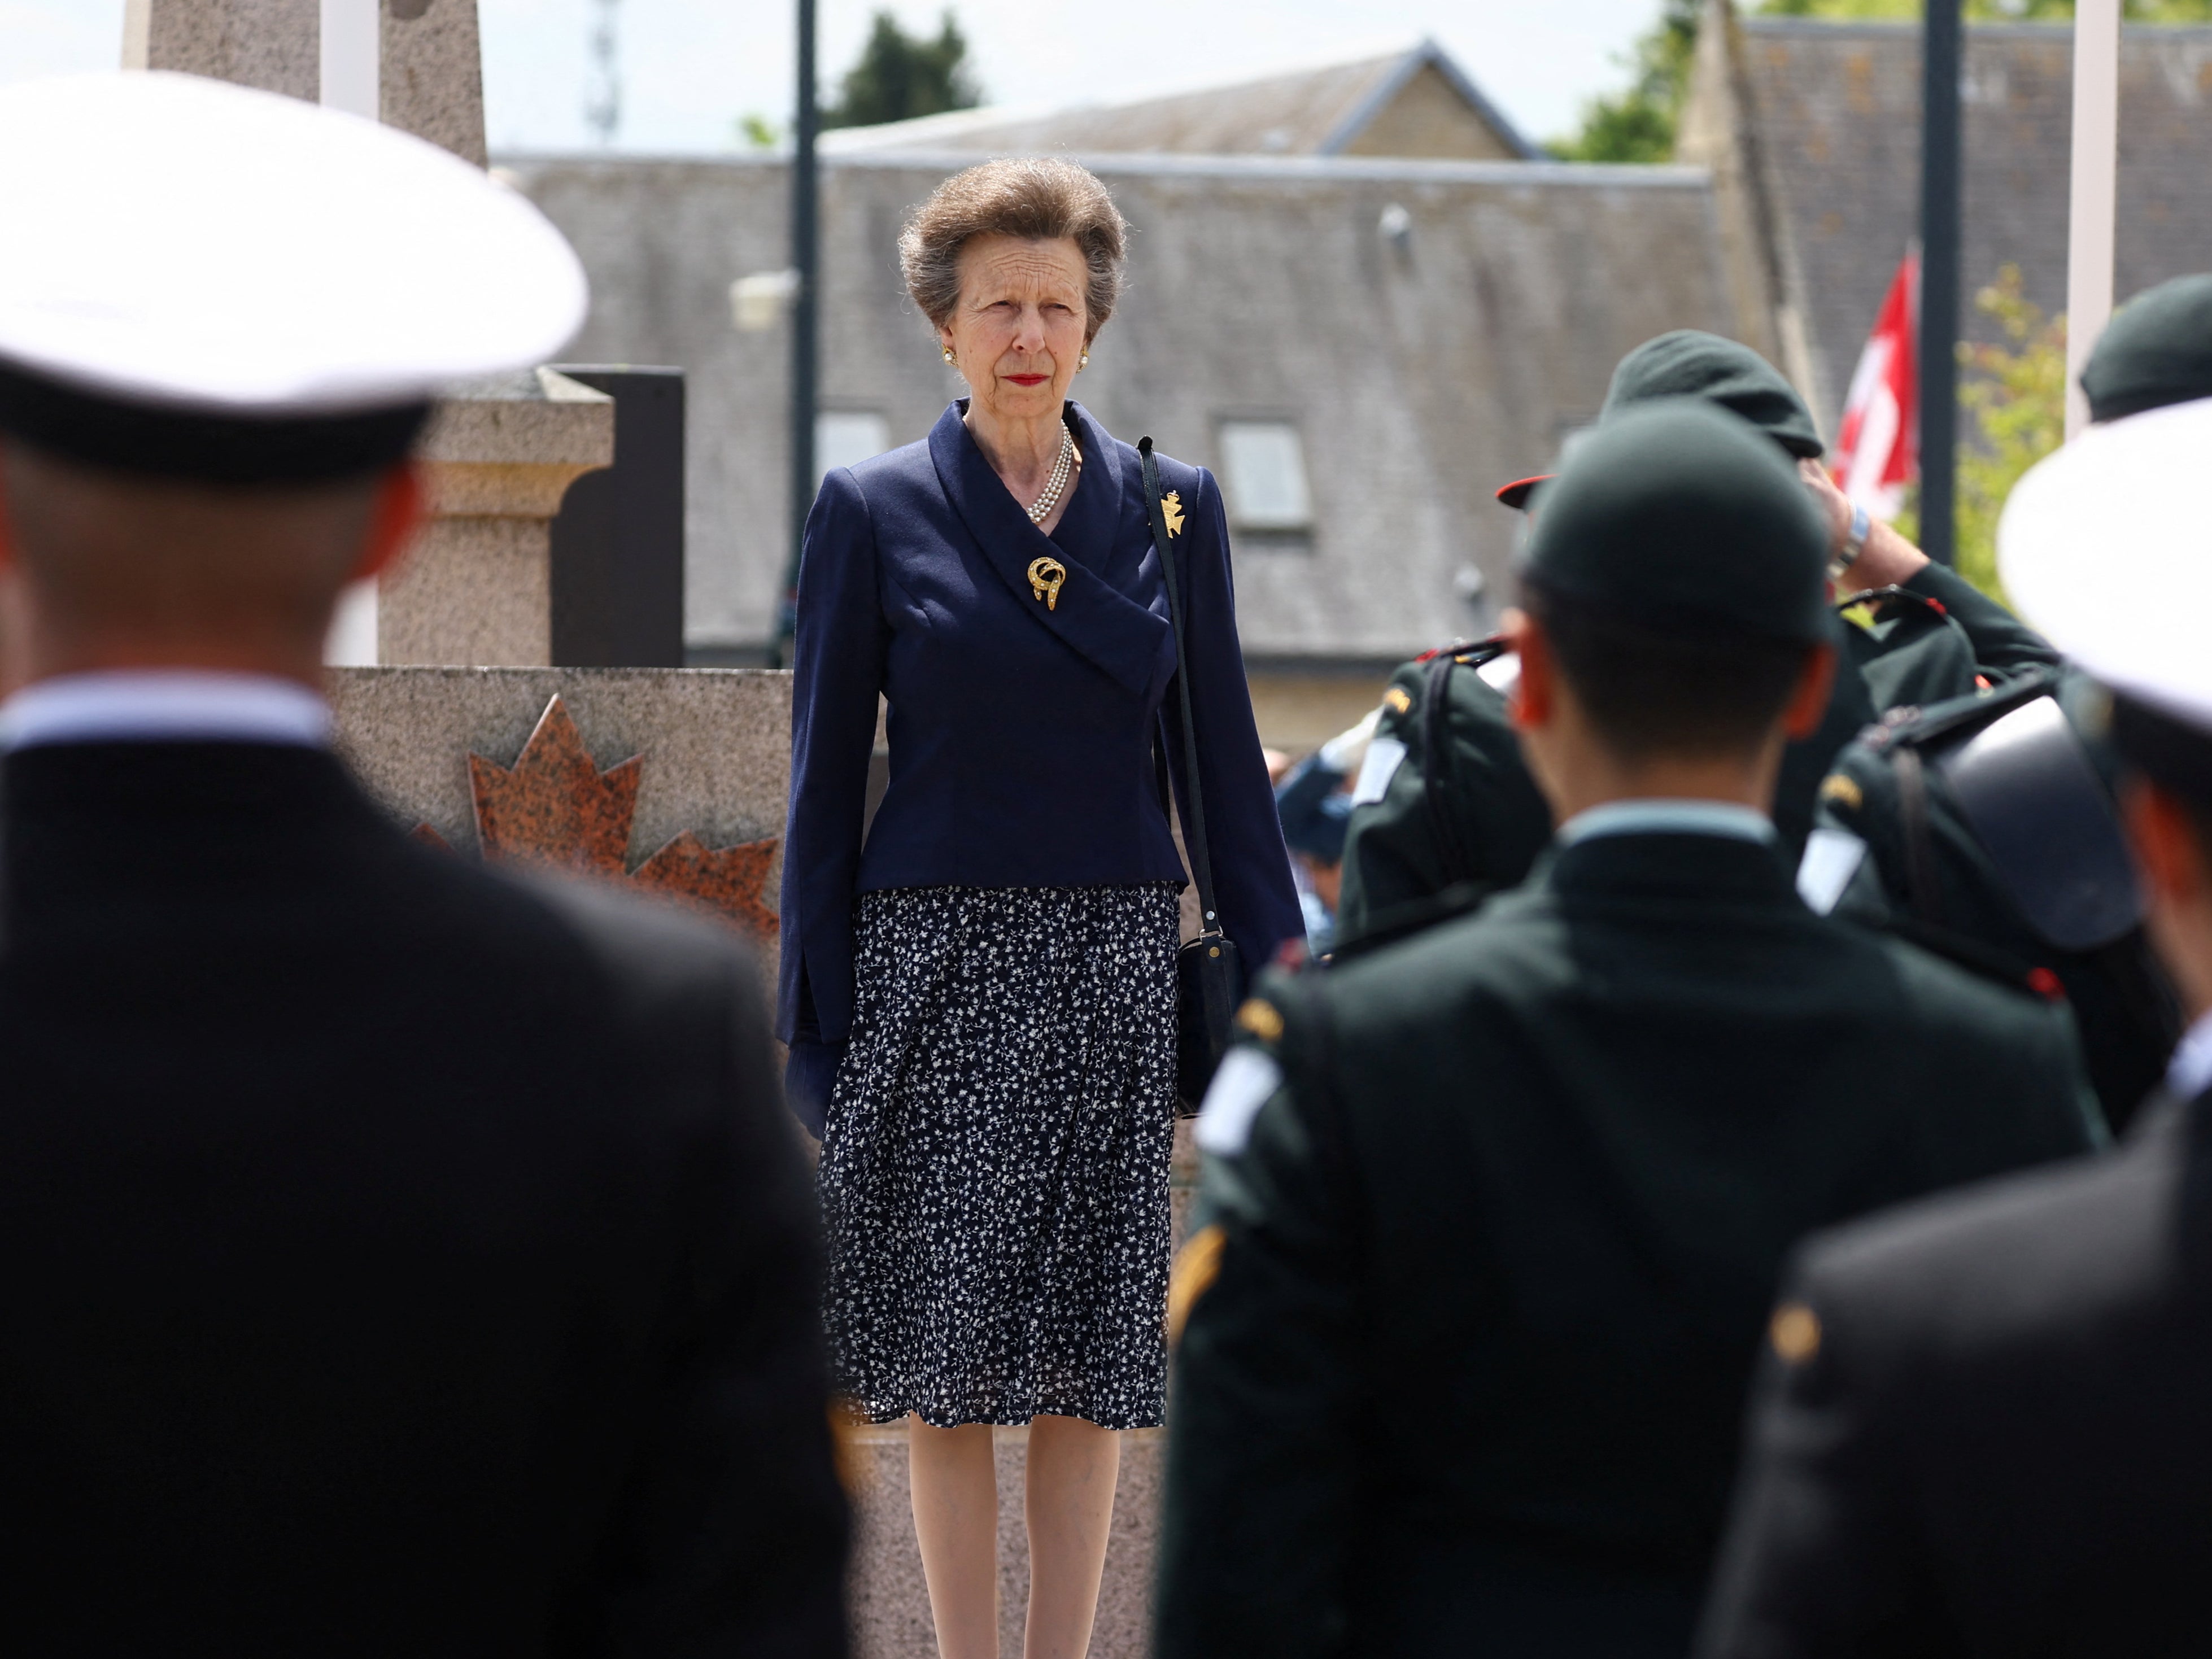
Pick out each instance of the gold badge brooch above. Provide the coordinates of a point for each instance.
(1171, 510)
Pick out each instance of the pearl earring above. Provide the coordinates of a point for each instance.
(948, 354)
(1084, 362)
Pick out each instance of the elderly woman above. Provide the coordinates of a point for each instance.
(983, 996)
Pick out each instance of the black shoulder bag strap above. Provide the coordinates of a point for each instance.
(1207, 973)
(1201, 862)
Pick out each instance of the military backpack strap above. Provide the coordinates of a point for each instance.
(1435, 764)
(1921, 890)
(1436, 749)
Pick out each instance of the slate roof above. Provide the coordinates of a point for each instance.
(1837, 111)
(1411, 102)
(1421, 370)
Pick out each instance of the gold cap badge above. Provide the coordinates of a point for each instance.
(1795, 1333)
(1045, 577)
(1260, 1018)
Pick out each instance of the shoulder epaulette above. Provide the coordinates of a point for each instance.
(1958, 716)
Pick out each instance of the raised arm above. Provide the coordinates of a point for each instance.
(841, 646)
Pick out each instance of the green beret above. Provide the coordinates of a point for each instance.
(2156, 350)
(1677, 514)
(1691, 363)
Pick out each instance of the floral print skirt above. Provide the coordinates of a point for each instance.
(995, 1165)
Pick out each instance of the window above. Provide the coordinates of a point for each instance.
(844, 437)
(1266, 470)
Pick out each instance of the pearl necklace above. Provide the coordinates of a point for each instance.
(1041, 509)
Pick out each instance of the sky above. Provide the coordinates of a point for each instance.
(691, 68)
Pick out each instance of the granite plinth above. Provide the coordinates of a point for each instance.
(430, 67)
(476, 586)
(713, 747)
(274, 44)
(431, 83)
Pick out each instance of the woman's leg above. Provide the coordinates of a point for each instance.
(1072, 1468)
(956, 1516)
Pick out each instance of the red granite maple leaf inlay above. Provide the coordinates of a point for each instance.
(554, 808)
(728, 880)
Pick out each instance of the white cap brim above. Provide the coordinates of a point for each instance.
(2106, 548)
(184, 242)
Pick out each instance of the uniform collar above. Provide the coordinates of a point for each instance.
(164, 705)
(1729, 819)
(1092, 616)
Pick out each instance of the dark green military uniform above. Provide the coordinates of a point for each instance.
(1492, 1218)
(1458, 820)
(1928, 873)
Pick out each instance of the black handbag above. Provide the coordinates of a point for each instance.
(1208, 976)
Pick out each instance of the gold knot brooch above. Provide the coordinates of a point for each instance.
(1045, 577)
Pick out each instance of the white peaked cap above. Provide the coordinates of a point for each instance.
(2107, 547)
(210, 249)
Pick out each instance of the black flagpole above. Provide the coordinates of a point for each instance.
(1940, 216)
(805, 322)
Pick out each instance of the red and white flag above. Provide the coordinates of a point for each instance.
(1878, 451)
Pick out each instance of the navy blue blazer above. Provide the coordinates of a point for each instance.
(1021, 736)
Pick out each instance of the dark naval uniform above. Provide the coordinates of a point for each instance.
(1991, 1434)
(1984, 828)
(1492, 1218)
(401, 1258)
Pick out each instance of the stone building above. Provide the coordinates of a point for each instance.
(1361, 347)
(1812, 133)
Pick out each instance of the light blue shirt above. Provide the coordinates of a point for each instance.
(164, 705)
(1668, 816)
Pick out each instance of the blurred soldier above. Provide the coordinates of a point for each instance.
(1985, 1426)
(1491, 1220)
(1985, 825)
(401, 1258)
(1313, 806)
(1446, 814)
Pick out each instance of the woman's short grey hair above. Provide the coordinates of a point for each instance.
(1039, 199)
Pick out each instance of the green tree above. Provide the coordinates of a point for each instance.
(1638, 124)
(2015, 394)
(900, 76)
